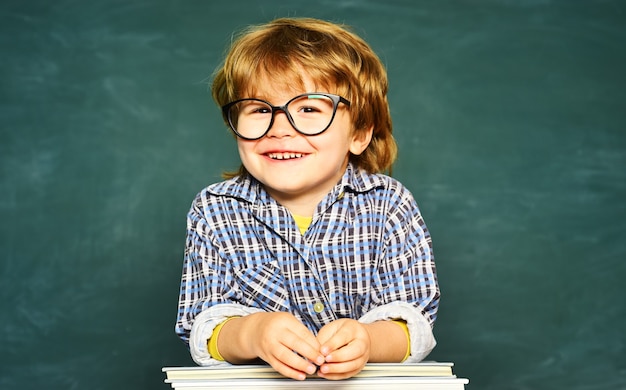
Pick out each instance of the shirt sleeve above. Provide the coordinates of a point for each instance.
(206, 298)
(407, 286)
(205, 323)
(422, 340)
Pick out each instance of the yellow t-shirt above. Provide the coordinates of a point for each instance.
(404, 326)
(212, 342)
(303, 223)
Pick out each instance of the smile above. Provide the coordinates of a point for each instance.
(284, 156)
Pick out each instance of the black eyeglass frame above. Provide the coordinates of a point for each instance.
(336, 99)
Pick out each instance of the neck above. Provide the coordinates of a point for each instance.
(303, 206)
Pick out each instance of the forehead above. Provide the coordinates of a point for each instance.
(283, 85)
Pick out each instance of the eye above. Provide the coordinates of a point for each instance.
(262, 110)
(254, 107)
(308, 109)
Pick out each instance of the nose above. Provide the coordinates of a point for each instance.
(281, 127)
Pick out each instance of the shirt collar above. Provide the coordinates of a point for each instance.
(247, 188)
(356, 179)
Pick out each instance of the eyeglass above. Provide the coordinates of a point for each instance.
(309, 114)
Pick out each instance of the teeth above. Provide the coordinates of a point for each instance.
(284, 156)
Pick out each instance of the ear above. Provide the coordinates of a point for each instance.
(360, 140)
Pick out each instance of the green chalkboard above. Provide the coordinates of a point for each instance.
(511, 121)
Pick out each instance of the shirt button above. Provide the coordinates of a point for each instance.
(318, 307)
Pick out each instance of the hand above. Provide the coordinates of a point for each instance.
(285, 343)
(345, 344)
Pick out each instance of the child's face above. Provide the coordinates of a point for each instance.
(296, 168)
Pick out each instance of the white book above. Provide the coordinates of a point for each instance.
(423, 369)
(384, 383)
(416, 376)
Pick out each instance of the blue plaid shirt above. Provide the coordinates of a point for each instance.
(367, 250)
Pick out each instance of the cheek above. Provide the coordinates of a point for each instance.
(334, 148)
(245, 146)
(240, 149)
(245, 150)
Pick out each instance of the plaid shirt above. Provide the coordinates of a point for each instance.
(367, 249)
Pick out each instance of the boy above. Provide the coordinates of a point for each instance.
(308, 258)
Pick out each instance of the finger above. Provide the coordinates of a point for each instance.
(289, 372)
(302, 341)
(309, 349)
(336, 371)
(355, 350)
(292, 365)
(326, 333)
(300, 351)
(337, 341)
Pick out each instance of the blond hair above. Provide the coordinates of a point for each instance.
(332, 56)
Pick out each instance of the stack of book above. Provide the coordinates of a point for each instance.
(418, 376)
